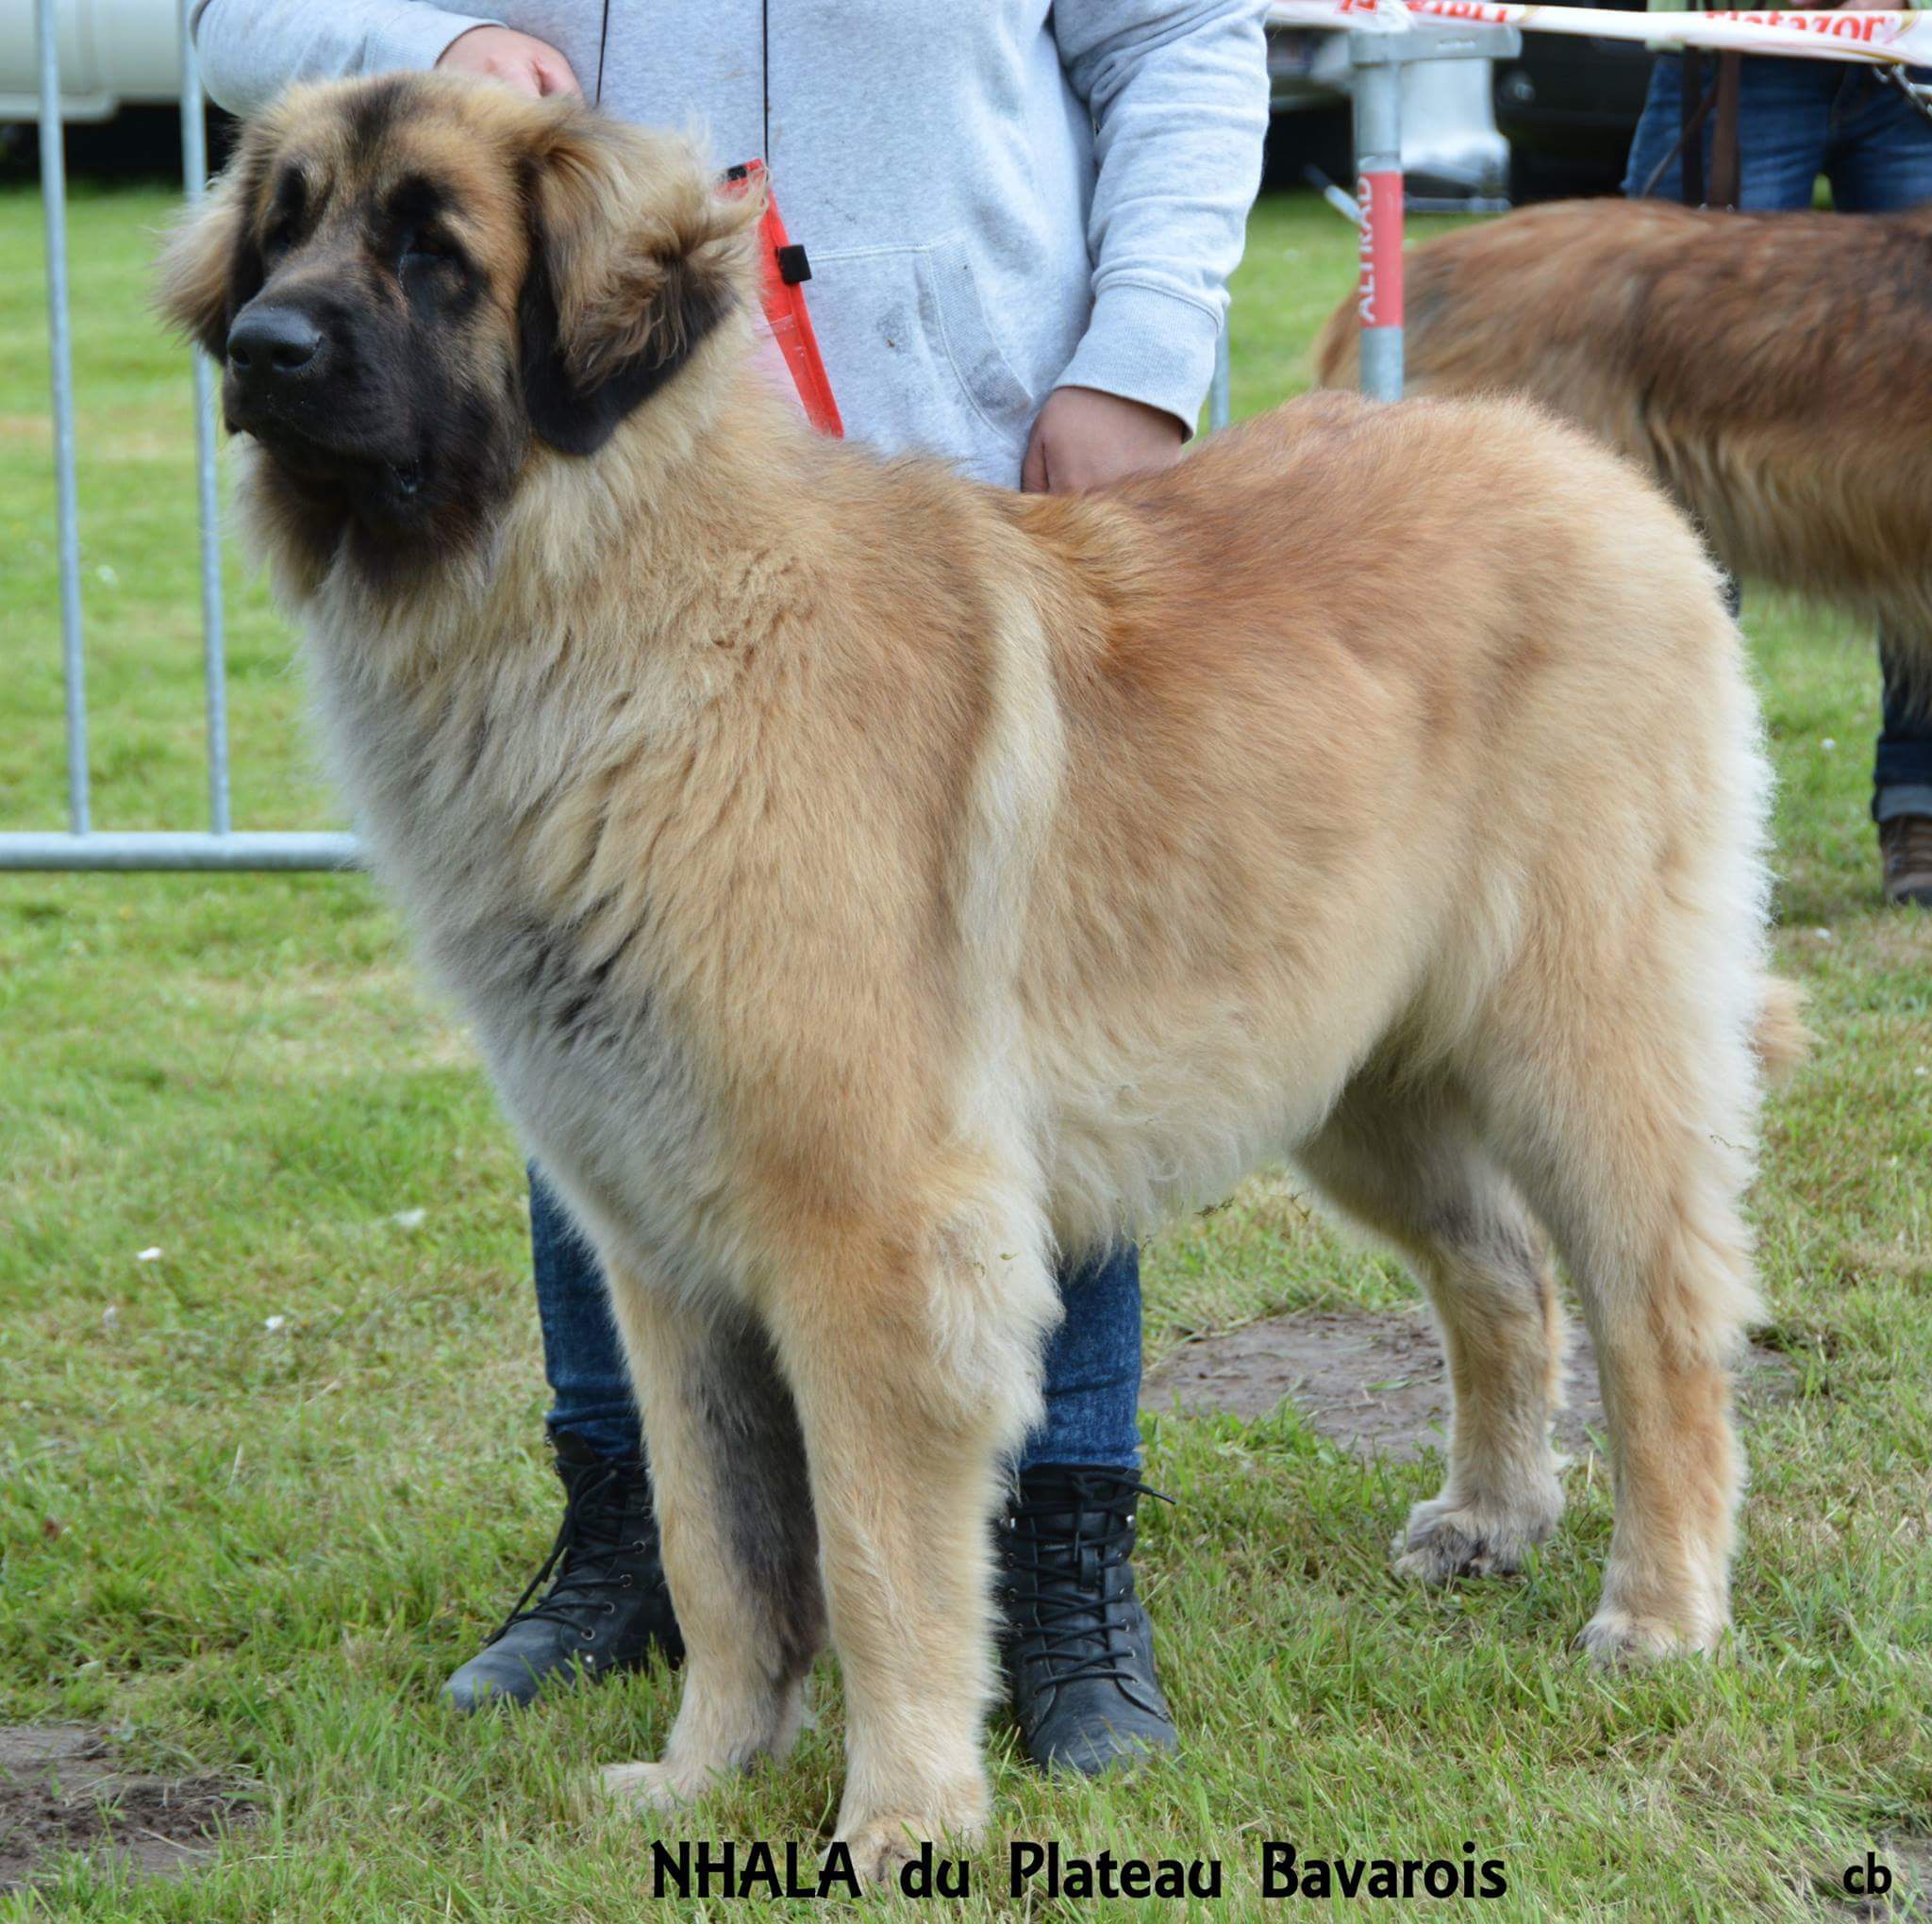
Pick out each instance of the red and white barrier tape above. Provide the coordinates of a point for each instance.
(1878, 39)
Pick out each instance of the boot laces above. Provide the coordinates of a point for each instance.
(582, 1557)
(1079, 1624)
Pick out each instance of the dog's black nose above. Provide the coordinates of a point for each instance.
(270, 345)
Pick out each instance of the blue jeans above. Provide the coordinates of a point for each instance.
(1093, 1362)
(1796, 120)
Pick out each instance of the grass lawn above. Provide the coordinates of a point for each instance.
(261, 1491)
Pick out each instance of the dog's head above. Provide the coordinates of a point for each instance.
(409, 280)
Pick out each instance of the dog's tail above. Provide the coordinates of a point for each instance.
(1337, 348)
(1781, 1040)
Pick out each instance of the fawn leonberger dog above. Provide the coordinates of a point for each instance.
(865, 884)
(1766, 368)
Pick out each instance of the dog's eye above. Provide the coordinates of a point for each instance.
(421, 248)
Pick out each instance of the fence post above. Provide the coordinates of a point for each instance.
(61, 352)
(1377, 57)
(1219, 405)
(213, 635)
(1378, 199)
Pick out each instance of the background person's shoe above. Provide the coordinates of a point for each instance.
(1905, 845)
(1077, 1646)
(606, 1608)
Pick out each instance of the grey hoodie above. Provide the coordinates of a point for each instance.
(997, 197)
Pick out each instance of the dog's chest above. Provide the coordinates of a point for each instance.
(598, 1081)
(566, 1008)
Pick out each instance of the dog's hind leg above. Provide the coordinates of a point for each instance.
(1630, 1124)
(1406, 1163)
(734, 1507)
(914, 1358)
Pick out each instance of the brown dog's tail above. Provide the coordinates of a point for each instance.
(1337, 348)
(1781, 1040)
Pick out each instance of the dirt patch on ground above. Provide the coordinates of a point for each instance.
(61, 1790)
(1909, 1860)
(1376, 1383)
(1902, 1866)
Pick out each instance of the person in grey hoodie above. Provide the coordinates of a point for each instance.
(1020, 216)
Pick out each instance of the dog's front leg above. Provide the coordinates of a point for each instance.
(907, 1409)
(734, 1508)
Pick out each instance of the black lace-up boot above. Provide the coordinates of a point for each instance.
(1905, 846)
(1077, 1646)
(606, 1607)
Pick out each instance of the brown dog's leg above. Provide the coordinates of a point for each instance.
(1633, 1143)
(734, 1507)
(1676, 1469)
(913, 1374)
(1406, 1163)
(1666, 1283)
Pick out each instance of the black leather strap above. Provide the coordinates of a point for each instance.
(1727, 162)
(1694, 107)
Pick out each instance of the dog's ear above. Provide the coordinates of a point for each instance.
(210, 266)
(635, 256)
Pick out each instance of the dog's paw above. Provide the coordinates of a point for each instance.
(882, 1842)
(881, 1846)
(649, 1787)
(1623, 1637)
(1444, 1541)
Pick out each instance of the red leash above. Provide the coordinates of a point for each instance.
(783, 270)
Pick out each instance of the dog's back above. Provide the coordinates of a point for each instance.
(1343, 634)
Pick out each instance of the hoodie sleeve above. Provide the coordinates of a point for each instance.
(249, 50)
(1179, 99)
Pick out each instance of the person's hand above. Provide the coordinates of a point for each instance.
(517, 59)
(1085, 438)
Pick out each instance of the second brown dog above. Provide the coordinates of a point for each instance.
(1768, 369)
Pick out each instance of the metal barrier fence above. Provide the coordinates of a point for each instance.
(82, 845)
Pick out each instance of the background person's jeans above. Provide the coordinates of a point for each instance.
(1798, 118)
(1093, 1362)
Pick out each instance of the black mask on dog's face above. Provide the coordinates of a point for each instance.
(407, 280)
